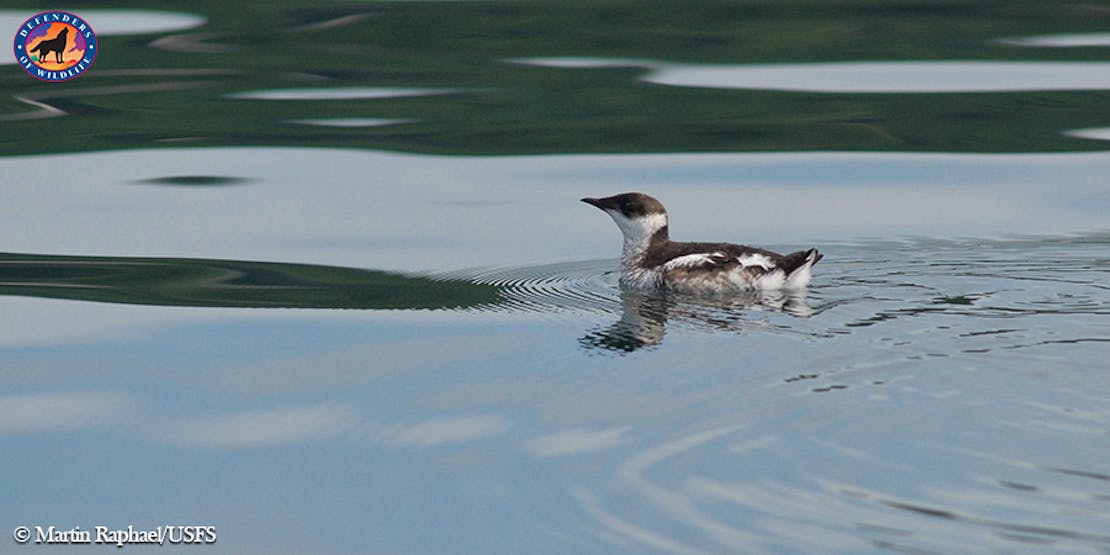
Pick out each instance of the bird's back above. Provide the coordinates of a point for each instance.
(723, 266)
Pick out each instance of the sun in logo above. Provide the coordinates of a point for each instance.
(55, 46)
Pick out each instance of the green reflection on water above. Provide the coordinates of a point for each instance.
(229, 283)
(176, 93)
(195, 180)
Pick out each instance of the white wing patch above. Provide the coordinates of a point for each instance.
(755, 259)
(689, 260)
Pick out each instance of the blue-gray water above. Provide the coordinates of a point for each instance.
(302, 324)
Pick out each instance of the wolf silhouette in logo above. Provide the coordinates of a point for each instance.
(57, 45)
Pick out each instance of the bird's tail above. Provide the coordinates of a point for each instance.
(797, 266)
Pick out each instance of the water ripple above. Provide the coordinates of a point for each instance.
(946, 297)
(572, 290)
(589, 286)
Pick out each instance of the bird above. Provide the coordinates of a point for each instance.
(650, 260)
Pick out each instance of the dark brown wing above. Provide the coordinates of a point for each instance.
(665, 252)
(714, 262)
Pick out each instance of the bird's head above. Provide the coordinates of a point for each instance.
(639, 216)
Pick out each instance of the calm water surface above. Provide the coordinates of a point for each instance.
(293, 296)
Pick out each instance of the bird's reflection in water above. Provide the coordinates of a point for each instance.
(645, 314)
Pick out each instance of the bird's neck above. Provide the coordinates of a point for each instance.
(636, 247)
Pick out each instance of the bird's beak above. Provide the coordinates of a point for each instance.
(595, 202)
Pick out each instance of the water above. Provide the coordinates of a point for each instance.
(251, 291)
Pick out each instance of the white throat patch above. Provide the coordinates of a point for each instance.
(638, 231)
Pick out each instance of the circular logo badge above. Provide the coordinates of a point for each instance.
(55, 46)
